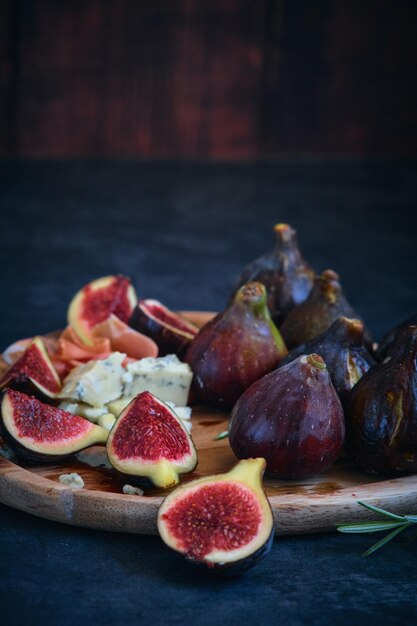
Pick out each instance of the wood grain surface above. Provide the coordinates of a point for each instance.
(307, 506)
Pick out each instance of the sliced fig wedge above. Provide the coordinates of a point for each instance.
(223, 521)
(95, 302)
(33, 371)
(41, 432)
(151, 443)
(171, 332)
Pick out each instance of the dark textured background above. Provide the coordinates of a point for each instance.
(182, 231)
(207, 77)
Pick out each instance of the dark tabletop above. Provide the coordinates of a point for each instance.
(182, 231)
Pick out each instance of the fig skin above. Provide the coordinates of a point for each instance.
(342, 349)
(234, 349)
(171, 338)
(381, 418)
(323, 306)
(286, 275)
(293, 418)
(237, 559)
(390, 338)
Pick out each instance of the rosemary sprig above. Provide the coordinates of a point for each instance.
(395, 524)
(222, 435)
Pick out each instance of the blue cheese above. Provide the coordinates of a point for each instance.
(97, 382)
(166, 377)
(73, 480)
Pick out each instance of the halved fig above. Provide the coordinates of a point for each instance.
(151, 443)
(170, 331)
(95, 302)
(33, 371)
(223, 521)
(40, 432)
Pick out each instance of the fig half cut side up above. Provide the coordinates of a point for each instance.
(33, 372)
(223, 521)
(95, 302)
(150, 443)
(170, 331)
(40, 432)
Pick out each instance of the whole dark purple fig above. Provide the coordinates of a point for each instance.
(392, 335)
(323, 306)
(292, 417)
(235, 348)
(341, 347)
(287, 277)
(381, 418)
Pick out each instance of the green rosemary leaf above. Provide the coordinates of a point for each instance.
(376, 509)
(411, 518)
(384, 540)
(221, 435)
(368, 527)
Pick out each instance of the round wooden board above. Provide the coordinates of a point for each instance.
(307, 506)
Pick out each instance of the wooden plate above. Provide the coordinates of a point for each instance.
(313, 505)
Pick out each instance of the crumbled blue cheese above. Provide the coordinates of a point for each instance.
(129, 490)
(73, 480)
(97, 382)
(166, 377)
(183, 412)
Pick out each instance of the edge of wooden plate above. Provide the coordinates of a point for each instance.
(293, 513)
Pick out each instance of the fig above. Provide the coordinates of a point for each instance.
(341, 347)
(235, 348)
(149, 442)
(292, 417)
(323, 306)
(33, 371)
(392, 335)
(223, 522)
(170, 331)
(381, 418)
(287, 277)
(95, 302)
(40, 432)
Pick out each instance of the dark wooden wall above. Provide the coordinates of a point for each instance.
(217, 78)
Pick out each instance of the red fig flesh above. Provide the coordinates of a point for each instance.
(287, 277)
(234, 349)
(95, 302)
(292, 417)
(170, 331)
(33, 370)
(150, 442)
(41, 432)
(222, 521)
